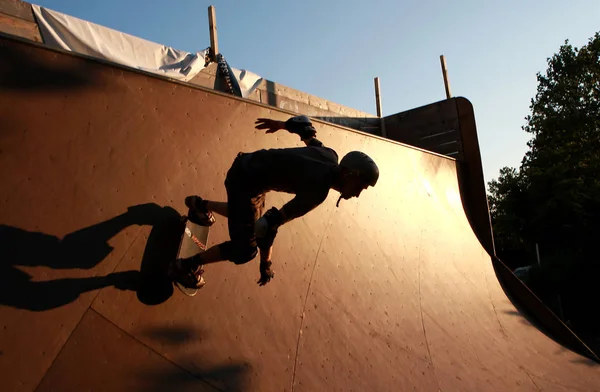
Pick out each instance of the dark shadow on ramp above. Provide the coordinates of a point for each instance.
(23, 69)
(173, 336)
(84, 249)
(33, 249)
(232, 376)
(162, 247)
(535, 312)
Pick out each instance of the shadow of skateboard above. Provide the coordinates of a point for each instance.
(172, 236)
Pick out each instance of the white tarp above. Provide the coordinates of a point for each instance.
(69, 33)
(248, 81)
(76, 35)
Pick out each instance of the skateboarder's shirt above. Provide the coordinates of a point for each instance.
(308, 172)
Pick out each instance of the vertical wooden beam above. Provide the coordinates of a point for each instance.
(379, 111)
(445, 75)
(212, 26)
(377, 97)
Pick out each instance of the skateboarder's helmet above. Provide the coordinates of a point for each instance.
(363, 165)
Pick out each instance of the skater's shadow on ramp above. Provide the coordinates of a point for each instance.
(22, 250)
(161, 247)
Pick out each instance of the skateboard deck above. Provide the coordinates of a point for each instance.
(194, 240)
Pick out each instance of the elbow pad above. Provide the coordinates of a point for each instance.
(268, 223)
(301, 126)
(266, 228)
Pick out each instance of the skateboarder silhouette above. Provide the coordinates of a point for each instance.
(307, 172)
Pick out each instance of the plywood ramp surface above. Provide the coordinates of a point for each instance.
(391, 292)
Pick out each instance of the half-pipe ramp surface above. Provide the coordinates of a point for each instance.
(389, 292)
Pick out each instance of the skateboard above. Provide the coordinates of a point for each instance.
(194, 240)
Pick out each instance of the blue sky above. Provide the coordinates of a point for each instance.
(334, 49)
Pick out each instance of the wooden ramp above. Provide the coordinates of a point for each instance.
(392, 292)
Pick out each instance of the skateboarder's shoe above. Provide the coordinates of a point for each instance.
(198, 213)
(186, 276)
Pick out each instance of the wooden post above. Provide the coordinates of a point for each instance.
(377, 97)
(212, 26)
(379, 111)
(445, 75)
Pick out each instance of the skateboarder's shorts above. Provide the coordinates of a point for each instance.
(244, 207)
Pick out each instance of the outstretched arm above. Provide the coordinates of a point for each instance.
(305, 130)
(270, 125)
(266, 273)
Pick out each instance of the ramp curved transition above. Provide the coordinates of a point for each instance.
(391, 292)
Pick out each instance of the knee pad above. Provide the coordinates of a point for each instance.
(238, 254)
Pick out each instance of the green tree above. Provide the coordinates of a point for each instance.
(508, 207)
(553, 199)
(562, 165)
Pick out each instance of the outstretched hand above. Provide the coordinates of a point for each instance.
(271, 126)
(266, 274)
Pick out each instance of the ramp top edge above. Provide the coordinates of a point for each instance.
(211, 91)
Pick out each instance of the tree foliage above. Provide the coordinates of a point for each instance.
(562, 165)
(508, 207)
(553, 199)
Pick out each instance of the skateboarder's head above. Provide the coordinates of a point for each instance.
(358, 172)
